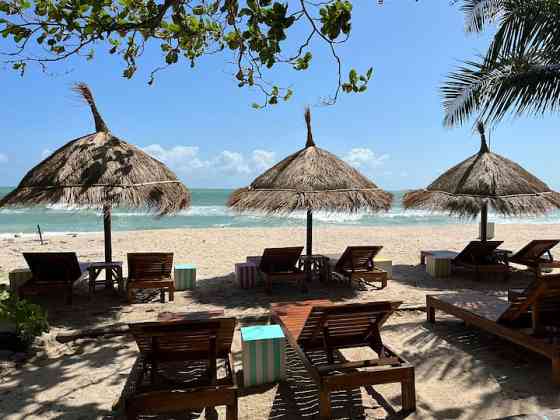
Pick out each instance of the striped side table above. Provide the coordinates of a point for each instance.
(264, 356)
(184, 276)
(246, 275)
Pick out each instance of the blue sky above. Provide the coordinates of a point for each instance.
(202, 124)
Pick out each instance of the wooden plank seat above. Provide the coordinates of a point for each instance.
(281, 264)
(321, 326)
(480, 257)
(522, 321)
(150, 270)
(537, 255)
(53, 272)
(195, 344)
(357, 264)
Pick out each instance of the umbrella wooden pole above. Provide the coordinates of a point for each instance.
(484, 222)
(108, 245)
(309, 245)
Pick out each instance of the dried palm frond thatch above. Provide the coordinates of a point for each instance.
(485, 179)
(100, 170)
(311, 179)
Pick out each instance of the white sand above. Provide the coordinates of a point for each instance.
(460, 372)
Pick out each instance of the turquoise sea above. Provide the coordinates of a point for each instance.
(209, 210)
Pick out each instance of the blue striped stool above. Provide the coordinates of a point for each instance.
(264, 356)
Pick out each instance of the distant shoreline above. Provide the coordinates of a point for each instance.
(418, 227)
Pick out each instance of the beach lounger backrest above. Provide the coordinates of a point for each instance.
(357, 258)
(534, 250)
(544, 290)
(186, 339)
(477, 252)
(60, 267)
(150, 265)
(345, 325)
(280, 259)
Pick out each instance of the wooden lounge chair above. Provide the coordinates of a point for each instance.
(150, 271)
(52, 271)
(320, 326)
(196, 342)
(532, 309)
(480, 257)
(356, 264)
(282, 264)
(536, 255)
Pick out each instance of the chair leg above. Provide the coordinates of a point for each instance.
(162, 295)
(130, 294)
(171, 293)
(231, 411)
(69, 295)
(324, 405)
(556, 370)
(408, 394)
(431, 314)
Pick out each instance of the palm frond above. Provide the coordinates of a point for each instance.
(520, 85)
(528, 26)
(478, 13)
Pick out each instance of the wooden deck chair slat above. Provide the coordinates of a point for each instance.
(534, 250)
(182, 340)
(52, 271)
(477, 251)
(150, 270)
(316, 325)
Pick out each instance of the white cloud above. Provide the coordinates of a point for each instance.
(231, 163)
(187, 159)
(181, 158)
(3, 158)
(46, 153)
(263, 159)
(404, 174)
(362, 157)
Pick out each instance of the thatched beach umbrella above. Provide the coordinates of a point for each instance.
(485, 179)
(311, 179)
(102, 171)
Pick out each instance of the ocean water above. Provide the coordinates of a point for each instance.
(209, 210)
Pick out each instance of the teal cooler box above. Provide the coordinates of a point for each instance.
(264, 354)
(185, 277)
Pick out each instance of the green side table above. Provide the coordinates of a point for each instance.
(264, 357)
(185, 276)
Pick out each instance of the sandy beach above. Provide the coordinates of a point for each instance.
(460, 372)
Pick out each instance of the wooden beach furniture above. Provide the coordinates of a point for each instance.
(51, 272)
(521, 321)
(319, 326)
(150, 270)
(282, 264)
(482, 257)
(357, 264)
(196, 342)
(536, 255)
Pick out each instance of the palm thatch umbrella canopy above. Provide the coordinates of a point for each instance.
(485, 179)
(100, 170)
(311, 179)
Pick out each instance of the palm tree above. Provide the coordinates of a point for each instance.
(520, 73)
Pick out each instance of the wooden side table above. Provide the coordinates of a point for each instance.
(95, 268)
